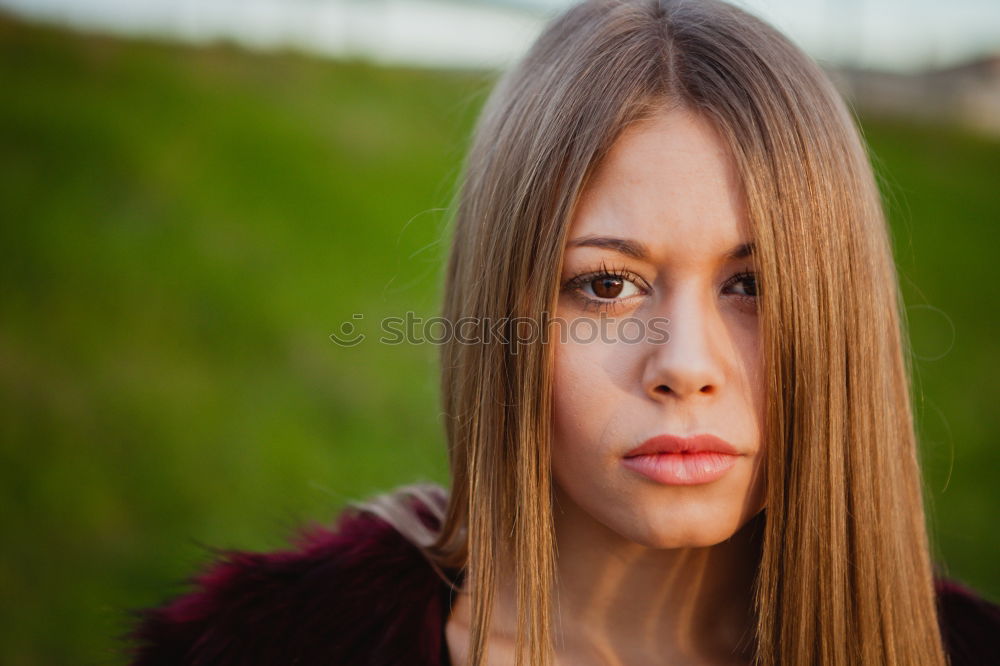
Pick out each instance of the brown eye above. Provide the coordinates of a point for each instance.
(607, 286)
(749, 282)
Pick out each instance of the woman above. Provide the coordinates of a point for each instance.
(665, 465)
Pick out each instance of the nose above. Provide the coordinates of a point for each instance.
(689, 362)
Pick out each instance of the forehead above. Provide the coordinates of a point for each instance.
(669, 182)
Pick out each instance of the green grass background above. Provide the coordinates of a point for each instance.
(181, 230)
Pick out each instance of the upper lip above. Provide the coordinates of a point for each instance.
(677, 444)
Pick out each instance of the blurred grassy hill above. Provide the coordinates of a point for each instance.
(183, 228)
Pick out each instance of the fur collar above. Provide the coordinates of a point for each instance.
(358, 594)
(362, 594)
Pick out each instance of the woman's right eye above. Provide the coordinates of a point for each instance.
(611, 286)
(605, 289)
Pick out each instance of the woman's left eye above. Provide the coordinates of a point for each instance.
(749, 280)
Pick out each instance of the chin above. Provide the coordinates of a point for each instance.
(655, 516)
(683, 527)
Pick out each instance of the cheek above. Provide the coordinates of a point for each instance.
(590, 409)
(755, 387)
(573, 397)
(755, 402)
(582, 395)
(748, 368)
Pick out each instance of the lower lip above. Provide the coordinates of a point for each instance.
(682, 469)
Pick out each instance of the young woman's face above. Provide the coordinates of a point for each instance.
(659, 234)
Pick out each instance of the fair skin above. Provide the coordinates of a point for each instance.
(651, 572)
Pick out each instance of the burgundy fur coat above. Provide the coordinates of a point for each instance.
(361, 594)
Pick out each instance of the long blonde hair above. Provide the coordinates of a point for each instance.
(845, 575)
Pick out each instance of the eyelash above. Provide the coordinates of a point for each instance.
(574, 284)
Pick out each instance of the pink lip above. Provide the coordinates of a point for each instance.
(682, 461)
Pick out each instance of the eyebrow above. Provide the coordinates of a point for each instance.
(638, 250)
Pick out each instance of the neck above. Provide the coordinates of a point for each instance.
(621, 602)
(693, 603)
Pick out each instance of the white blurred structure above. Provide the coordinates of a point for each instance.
(902, 35)
(430, 33)
(967, 94)
(887, 55)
